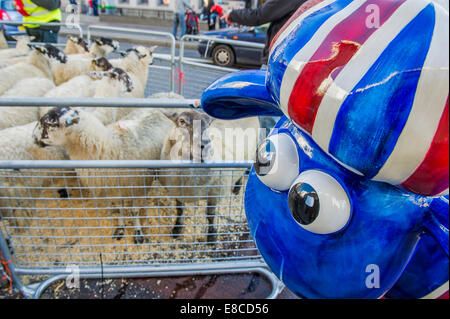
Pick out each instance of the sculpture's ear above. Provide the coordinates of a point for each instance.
(238, 95)
(437, 220)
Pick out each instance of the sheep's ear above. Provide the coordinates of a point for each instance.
(99, 42)
(171, 115)
(123, 53)
(153, 48)
(32, 37)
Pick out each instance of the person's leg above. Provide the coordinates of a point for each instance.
(36, 33)
(175, 25)
(182, 24)
(95, 7)
(50, 36)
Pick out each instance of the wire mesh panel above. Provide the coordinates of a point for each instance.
(159, 78)
(195, 79)
(57, 218)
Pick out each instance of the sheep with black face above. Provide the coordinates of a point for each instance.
(80, 64)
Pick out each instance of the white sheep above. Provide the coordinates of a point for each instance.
(114, 83)
(63, 72)
(21, 48)
(37, 65)
(17, 143)
(196, 136)
(99, 48)
(102, 47)
(12, 61)
(82, 86)
(135, 63)
(138, 136)
(31, 87)
(75, 45)
(80, 64)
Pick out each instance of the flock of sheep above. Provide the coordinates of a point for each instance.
(76, 133)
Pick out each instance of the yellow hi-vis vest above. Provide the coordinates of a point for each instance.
(39, 14)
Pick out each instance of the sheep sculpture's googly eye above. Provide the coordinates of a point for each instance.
(319, 203)
(277, 162)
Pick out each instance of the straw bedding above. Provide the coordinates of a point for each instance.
(77, 229)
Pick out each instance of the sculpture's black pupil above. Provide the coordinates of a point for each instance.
(304, 203)
(265, 158)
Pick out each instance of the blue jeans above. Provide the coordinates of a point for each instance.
(178, 19)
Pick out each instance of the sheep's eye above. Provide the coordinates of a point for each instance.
(319, 203)
(277, 162)
(182, 122)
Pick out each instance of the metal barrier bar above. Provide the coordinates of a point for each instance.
(70, 164)
(144, 32)
(100, 102)
(208, 259)
(170, 271)
(52, 24)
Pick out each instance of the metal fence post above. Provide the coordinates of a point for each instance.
(17, 282)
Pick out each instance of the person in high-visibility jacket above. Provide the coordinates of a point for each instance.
(42, 11)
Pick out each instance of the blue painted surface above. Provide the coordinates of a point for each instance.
(404, 235)
(385, 227)
(238, 95)
(379, 105)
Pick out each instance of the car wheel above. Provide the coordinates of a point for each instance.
(223, 55)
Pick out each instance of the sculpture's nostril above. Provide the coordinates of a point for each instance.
(304, 203)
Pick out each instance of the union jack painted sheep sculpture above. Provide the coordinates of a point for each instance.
(346, 198)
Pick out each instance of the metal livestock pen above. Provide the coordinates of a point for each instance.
(51, 225)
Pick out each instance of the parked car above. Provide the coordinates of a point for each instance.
(228, 55)
(8, 12)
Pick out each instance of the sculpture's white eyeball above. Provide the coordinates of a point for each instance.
(319, 203)
(277, 162)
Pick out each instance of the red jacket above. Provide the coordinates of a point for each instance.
(218, 9)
